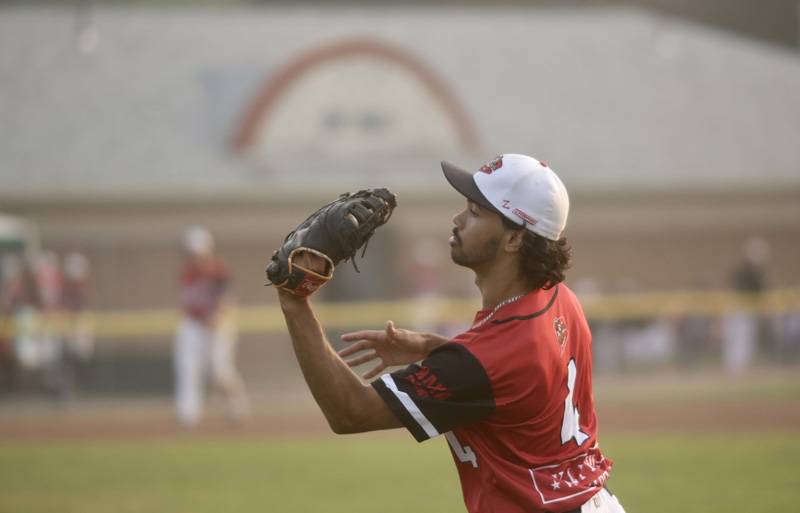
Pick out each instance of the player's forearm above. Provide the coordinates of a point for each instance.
(337, 390)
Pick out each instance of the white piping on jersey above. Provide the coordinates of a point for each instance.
(412, 408)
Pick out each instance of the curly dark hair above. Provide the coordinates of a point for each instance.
(543, 261)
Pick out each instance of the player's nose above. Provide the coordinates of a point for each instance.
(458, 218)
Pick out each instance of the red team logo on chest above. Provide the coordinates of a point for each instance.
(560, 325)
(426, 384)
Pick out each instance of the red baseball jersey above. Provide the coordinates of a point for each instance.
(202, 286)
(513, 397)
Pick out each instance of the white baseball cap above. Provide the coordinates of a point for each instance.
(521, 188)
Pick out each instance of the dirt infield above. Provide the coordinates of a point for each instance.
(763, 401)
(73, 425)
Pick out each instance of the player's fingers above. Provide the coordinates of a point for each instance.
(364, 358)
(374, 372)
(355, 348)
(363, 334)
(391, 332)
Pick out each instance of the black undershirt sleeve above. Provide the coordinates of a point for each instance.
(448, 389)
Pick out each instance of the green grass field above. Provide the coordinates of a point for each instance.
(374, 473)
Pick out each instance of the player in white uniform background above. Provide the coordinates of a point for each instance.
(205, 341)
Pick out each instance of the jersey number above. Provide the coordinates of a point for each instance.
(464, 453)
(570, 426)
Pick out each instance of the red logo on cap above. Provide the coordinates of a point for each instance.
(524, 215)
(492, 166)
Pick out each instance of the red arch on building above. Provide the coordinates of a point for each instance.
(260, 110)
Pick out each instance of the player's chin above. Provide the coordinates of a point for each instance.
(457, 256)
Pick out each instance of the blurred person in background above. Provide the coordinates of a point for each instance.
(18, 301)
(52, 344)
(205, 341)
(76, 296)
(49, 280)
(741, 327)
(786, 328)
(696, 332)
(30, 301)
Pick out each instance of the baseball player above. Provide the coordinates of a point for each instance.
(513, 394)
(206, 336)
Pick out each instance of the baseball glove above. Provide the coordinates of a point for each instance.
(334, 232)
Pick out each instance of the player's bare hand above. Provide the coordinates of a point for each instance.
(390, 347)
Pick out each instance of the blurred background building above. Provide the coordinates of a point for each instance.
(674, 124)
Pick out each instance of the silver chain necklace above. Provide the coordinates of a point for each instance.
(496, 308)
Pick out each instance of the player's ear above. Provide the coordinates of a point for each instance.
(514, 240)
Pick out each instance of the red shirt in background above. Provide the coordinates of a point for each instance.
(203, 284)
